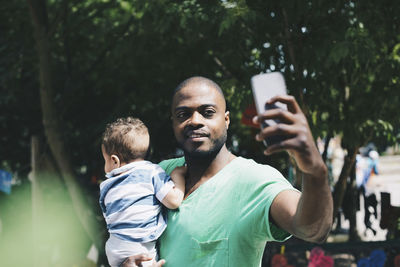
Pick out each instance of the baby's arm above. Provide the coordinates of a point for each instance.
(175, 196)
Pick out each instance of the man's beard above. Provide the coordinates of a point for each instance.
(217, 144)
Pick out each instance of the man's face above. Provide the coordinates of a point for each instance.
(200, 121)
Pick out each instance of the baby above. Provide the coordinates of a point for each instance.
(132, 194)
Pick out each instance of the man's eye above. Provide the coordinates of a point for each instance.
(181, 115)
(208, 113)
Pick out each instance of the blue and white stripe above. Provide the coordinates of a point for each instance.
(130, 200)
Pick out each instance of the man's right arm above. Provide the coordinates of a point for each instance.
(307, 215)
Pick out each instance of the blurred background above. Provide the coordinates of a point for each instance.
(69, 67)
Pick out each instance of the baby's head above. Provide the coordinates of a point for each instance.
(124, 141)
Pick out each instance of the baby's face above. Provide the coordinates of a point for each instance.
(109, 164)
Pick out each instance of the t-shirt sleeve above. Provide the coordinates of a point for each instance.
(170, 164)
(162, 183)
(273, 232)
(262, 190)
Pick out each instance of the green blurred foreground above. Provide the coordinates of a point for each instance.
(46, 233)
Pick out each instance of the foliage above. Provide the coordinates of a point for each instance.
(119, 58)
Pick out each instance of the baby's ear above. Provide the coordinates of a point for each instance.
(115, 161)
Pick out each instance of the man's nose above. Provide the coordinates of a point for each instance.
(196, 119)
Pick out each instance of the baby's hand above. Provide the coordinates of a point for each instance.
(178, 177)
(175, 196)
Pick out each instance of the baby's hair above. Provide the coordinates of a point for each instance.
(128, 138)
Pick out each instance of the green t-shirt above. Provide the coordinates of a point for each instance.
(225, 221)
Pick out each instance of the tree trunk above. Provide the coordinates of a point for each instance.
(341, 184)
(37, 201)
(51, 124)
(353, 196)
(326, 146)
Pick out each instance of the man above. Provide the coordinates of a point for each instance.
(232, 205)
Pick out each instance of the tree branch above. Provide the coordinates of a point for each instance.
(39, 15)
(222, 66)
(59, 17)
(292, 57)
(109, 48)
(51, 125)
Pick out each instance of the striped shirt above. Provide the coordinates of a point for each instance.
(130, 199)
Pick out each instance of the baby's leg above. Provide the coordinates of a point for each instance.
(151, 251)
(117, 250)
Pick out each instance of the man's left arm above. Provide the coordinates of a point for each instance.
(307, 215)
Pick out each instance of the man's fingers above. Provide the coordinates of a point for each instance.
(278, 129)
(135, 260)
(288, 144)
(277, 113)
(159, 263)
(289, 100)
(142, 258)
(278, 147)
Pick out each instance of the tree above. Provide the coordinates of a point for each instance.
(99, 60)
(51, 123)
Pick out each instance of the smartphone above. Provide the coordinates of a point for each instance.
(265, 86)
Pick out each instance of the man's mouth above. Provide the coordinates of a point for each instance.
(196, 135)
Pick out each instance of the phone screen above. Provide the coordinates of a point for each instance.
(265, 86)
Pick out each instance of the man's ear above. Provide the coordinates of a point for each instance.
(227, 119)
(115, 161)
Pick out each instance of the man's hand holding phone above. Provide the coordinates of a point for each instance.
(294, 127)
(284, 126)
(313, 208)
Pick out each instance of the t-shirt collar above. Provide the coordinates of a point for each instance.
(124, 168)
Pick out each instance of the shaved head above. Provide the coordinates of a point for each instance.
(198, 80)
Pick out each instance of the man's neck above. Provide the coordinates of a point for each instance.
(199, 170)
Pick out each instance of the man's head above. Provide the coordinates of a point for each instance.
(124, 141)
(199, 116)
